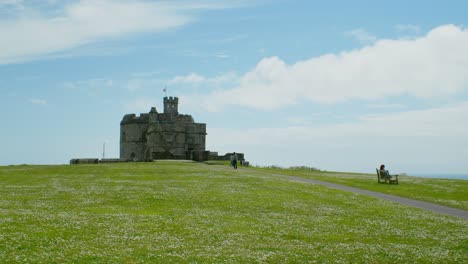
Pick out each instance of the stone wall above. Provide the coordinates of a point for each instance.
(95, 161)
(112, 160)
(227, 156)
(133, 139)
(85, 161)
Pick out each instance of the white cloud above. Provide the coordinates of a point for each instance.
(408, 29)
(414, 141)
(32, 33)
(191, 78)
(145, 74)
(434, 65)
(221, 55)
(296, 121)
(90, 85)
(386, 106)
(362, 36)
(194, 78)
(38, 101)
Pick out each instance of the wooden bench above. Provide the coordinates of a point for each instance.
(383, 176)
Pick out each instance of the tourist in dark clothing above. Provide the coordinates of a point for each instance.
(385, 172)
(234, 161)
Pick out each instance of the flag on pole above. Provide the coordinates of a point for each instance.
(165, 90)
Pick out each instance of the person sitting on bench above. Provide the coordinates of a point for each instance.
(386, 175)
(382, 169)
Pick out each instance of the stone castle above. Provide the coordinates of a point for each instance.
(167, 135)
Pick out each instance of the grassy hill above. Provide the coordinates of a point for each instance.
(197, 213)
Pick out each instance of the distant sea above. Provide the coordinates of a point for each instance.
(459, 176)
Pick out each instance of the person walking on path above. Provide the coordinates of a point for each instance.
(231, 161)
(234, 161)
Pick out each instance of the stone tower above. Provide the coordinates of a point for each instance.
(171, 105)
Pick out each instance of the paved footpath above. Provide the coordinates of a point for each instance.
(410, 202)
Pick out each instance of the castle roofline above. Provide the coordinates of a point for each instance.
(133, 119)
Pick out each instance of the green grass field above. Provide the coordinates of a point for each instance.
(183, 212)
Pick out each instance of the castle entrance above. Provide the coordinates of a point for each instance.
(189, 154)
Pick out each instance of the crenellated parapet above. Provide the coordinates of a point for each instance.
(133, 119)
(170, 100)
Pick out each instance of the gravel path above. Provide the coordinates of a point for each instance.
(410, 202)
(441, 209)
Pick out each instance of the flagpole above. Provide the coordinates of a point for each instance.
(165, 90)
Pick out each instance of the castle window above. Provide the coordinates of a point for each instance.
(169, 137)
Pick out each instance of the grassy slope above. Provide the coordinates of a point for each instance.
(448, 192)
(192, 212)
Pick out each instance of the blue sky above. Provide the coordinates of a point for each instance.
(337, 85)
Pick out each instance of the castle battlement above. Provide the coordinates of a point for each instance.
(171, 99)
(133, 119)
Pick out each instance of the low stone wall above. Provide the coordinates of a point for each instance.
(227, 156)
(112, 160)
(194, 155)
(200, 155)
(84, 161)
(96, 161)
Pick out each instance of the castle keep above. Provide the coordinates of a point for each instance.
(167, 135)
